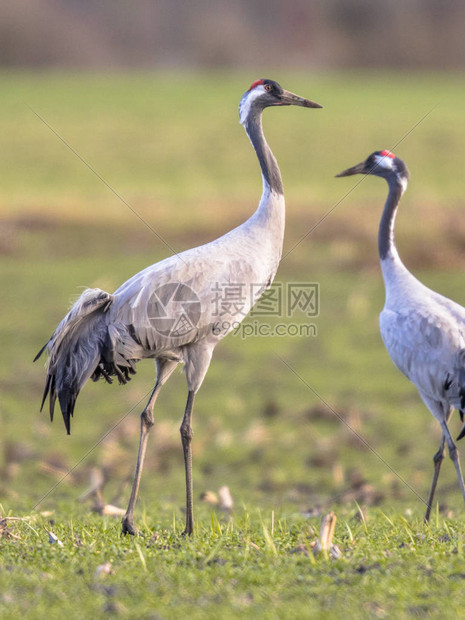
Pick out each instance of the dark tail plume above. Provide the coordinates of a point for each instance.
(75, 351)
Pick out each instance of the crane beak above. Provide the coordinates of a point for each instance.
(358, 169)
(288, 98)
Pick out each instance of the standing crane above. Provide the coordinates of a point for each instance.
(169, 311)
(424, 332)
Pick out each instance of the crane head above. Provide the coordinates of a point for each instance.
(380, 163)
(264, 93)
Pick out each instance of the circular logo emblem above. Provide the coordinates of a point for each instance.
(174, 310)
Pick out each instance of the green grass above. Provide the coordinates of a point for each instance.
(252, 565)
(268, 419)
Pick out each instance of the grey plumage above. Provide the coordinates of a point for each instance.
(166, 311)
(424, 332)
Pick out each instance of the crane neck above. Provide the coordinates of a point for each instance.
(271, 174)
(386, 238)
(265, 228)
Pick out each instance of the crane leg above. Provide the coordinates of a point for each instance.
(164, 370)
(186, 438)
(437, 459)
(454, 455)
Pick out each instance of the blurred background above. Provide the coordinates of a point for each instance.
(108, 105)
(172, 34)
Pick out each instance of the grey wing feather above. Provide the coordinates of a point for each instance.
(199, 271)
(424, 343)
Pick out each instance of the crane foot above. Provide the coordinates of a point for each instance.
(128, 528)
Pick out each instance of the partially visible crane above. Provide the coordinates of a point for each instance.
(167, 311)
(424, 332)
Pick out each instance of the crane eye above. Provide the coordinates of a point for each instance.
(267, 87)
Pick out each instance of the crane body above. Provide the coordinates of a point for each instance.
(423, 331)
(166, 311)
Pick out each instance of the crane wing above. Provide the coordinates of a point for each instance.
(181, 299)
(423, 343)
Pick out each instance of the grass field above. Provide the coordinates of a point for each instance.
(278, 420)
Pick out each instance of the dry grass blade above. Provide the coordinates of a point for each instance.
(209, 497)
(223, 500)
(53, 539)
(109, 510)
(324, 543)
(226, 501)
(103, 570)
(328, 523)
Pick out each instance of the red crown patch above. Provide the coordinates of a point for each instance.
(256, 83)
